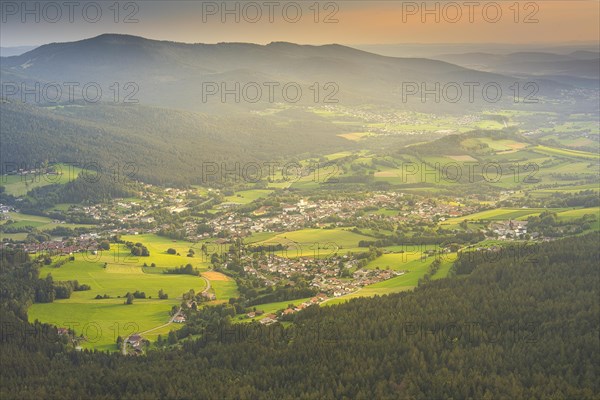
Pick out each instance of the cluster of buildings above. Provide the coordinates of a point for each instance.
(4, 210)
(391, 120)
(324, 274)
(87, 242)
(293, 216)
(136, 342)
(510, 229)
(303, 213)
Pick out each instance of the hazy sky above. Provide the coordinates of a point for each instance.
(348, 22)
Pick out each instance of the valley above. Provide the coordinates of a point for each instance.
(356, 223)
(185, 214)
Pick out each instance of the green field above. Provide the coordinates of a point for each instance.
(115, 280)
(317, 242)
(158, 245)
(578, 213)
(224, 289)
(124, 273)
(567, 153)
(19, 185)
(270, 308)
(18, 220)
(247, 196)
(415, 270)
(501, 214)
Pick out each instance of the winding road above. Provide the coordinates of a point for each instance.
(124, 346)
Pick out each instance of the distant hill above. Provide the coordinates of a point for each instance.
(15, 51)
(172, 74)
(174, 127)
(579, 64)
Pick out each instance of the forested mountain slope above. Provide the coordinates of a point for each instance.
(520, 325)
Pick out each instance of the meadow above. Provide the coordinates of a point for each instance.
(316, 242)
(114, 273)
(18, 220)
(414, 269)
(247, 196)
(106, 315)
(19, 185)
(500, 214)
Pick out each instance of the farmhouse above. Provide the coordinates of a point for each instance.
(180, 319)
(62, 331)
(135, 340)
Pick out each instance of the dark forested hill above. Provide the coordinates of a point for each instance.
(172, 74)
(519, 326)
(165, 146)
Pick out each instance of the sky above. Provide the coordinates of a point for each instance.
(306, 22)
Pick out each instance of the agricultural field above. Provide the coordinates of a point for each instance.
(125, 273)
(106, 315)
(500, 214)
(564, 190)
(19, 185)
(415, 268)
(578, 213)
(503, 145)
(316, 242)
(247, 196)
(223, 286)
(567, 153)
(269, 308)
(354, 136)
(19, 220)
(158, 246)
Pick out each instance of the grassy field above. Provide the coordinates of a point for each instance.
(316, 242)
(570, 215)
(107, 315)
(503, 145)
(354, 136)
(19, 185)
(269, 308)
(223, 286)
(41, 223)
(501, 214)
(567, 153)
(158, 245)
(247, 196)
(124, 273)
(565, 189)
(104, 321)
(411, 257)
(415, 270)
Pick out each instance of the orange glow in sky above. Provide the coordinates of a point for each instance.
(344, 22)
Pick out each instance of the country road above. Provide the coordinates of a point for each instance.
(124, 346)
(207, 285)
